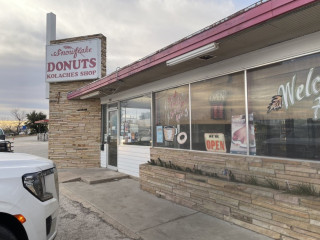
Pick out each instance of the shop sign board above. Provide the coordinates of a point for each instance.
(73, 61)
(215, 142)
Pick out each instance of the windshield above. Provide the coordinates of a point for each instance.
(1, 132)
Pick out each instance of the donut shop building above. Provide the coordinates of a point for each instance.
(238, 98)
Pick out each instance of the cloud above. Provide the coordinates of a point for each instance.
(22, 33)
(134, 29)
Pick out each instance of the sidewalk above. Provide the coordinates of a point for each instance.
(120, 202)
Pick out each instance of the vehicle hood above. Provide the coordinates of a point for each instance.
(23, 161)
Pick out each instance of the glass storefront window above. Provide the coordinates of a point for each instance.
(171, 118)
(218, 115)
(285, 100)
(136, 121)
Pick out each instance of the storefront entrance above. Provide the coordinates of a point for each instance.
(112, 136)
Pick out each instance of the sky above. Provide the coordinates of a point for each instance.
(134, 29)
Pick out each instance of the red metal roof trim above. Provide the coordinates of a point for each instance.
(223, 28)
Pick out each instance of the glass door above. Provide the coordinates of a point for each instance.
(112, 138)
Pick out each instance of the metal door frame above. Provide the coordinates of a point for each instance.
(113, 109)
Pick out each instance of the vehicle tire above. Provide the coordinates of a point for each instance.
(6, 234)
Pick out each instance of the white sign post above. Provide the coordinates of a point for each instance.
(73, 61)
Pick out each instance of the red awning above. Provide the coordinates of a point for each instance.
(42, 121)
(230, 27)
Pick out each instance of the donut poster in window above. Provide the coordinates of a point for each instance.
(182, 138)
(239, 135)
(215, 142)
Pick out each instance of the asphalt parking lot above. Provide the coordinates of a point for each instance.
(29, 144)
(79, 222)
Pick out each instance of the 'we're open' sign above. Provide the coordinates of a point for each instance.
(215, 142)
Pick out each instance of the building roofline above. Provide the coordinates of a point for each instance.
(255, 14)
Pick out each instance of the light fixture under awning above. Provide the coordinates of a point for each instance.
(193, 54)
(90, 95)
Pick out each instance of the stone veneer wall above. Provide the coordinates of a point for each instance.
(74, 128)
(75, 125)
(267, 211)
(284, 171)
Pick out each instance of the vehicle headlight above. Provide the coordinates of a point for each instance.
(56, 179)
(35, 184)
(9, 146)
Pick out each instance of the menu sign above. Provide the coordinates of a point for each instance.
(73, 61)
(215, 142)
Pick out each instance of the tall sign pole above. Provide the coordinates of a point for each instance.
(50, 35)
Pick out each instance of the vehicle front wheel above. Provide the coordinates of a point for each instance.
(6, 234)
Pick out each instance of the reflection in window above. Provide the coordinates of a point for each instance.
(136, 121)
(218, 115)
(284, 99)
(172, 128)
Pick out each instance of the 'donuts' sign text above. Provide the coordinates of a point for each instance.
(73, 61)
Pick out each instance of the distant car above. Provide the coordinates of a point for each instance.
(29, 197)
(5, 146)
(2, 136)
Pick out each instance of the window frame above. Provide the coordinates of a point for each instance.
(246, 107)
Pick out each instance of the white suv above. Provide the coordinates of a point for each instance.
(29, 197)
